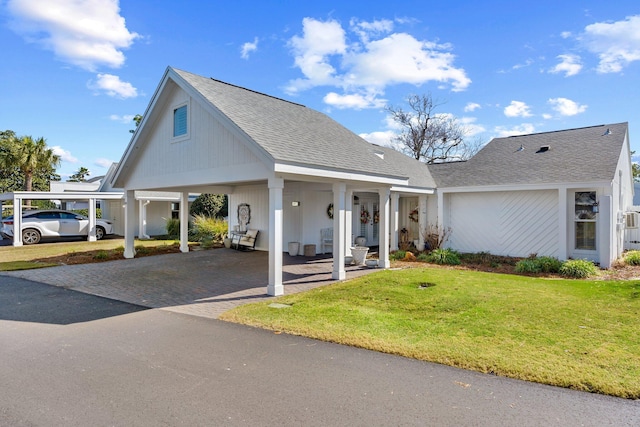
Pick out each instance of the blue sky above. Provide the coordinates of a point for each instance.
(76, 71)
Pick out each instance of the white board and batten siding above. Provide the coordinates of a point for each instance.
(510, 223)
(209, 154)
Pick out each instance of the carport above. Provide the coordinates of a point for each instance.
(91, 197)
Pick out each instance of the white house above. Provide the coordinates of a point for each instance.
(562, 193)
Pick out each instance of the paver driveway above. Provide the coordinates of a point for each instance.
(202, 283)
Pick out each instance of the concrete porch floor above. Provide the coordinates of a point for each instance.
(201, 283)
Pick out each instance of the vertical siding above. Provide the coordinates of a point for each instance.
(209, 145)
(257, 197)
(514, 223)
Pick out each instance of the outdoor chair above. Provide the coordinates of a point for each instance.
(326, 239)
(248, 240)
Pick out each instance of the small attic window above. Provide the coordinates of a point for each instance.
(379, 154)
(180, 121)
(544, 149)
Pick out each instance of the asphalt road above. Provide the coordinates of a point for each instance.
(72, 359)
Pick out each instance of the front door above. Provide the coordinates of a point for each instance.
(365, 221)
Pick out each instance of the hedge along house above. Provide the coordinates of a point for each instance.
(565, 194)
(280, 163)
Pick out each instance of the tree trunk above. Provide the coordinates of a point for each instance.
(28, 185)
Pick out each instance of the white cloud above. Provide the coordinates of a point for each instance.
(517, 109)
(385, 138)
(547, 116)
(87, 34)
(128, 118)
(327, 57)
(617, 44)
(248, 47)
(569, 65)
(566, 107)
(523, 129)
(565, 34)
(103, 163)
(65, 155)
(471, 106)
(471, 127)
(113, 86)
(355, 101)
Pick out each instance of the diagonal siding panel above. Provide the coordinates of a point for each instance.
(514, 223)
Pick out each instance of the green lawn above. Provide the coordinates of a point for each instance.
(581, 334)
(9, 254)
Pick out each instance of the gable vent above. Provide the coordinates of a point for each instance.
(544, 149)
(379, 154)
(631, 219)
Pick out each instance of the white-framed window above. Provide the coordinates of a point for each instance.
(585, 213)
(175, 210)
(181, 121)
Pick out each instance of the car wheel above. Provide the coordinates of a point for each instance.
(30, 236)
(99, 233)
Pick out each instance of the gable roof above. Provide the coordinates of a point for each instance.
(293, 134)
(586, 154)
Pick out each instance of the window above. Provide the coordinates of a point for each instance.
(585, 220)
(180, 121)
(175, 210)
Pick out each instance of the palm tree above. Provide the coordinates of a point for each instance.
(30, 156)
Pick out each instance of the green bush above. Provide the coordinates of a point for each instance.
(210, 230)
(173, 228)
(398, 255)
(632, 258)
(528, 265)
(211, 205)
(444, 257)
(477, 258)
(549, 264)
(423, 257)
(578, 268)
(85, 212)
(101, 255)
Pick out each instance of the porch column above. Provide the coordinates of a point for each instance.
(395, 207)
(339, 191)
(422, 220)
(348, 222)
(383, 229)
(184, 222)
(276, 229)
(563, 224)
(91, 236)
(17, 221)
(129, 223)
(142, 219)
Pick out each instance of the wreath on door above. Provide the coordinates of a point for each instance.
(365, 216)
(413, 216)
(330, 210)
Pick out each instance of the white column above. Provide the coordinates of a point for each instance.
(395, 223)
(91, 236)
(276, 229)
(129, 224)
(142, 219)
(383, 229)
(339, 191)
(563, 225)
(184, 221)
(348, 222)
(17, 221)
(422, 219)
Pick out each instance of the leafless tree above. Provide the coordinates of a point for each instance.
(429, 136)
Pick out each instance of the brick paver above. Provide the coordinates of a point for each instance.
(200, 283)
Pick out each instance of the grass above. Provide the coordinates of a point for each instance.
(47, 250)
(571, 333)
(23, 265)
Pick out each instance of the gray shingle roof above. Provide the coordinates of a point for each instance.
(574, 155)
(294, 134)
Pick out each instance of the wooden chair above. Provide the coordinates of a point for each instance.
(326, 239)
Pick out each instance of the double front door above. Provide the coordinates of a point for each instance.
(366, 216)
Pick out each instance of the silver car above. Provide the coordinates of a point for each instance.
(53, 223)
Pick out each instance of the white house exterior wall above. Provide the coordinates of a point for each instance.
(514, 223)
(257, 197)
(210, 154)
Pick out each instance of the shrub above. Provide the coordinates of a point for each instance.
(444, 257)
(632, 258)
(85, 212)
(173, 228)
(527, 266)
(477, 258)
(578, 268)
(206, 229)
(423, 257)
(549, 264)
(211, 205)
(101, 255)
(398, 255)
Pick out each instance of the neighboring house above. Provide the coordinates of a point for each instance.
(563, 194)
(286, 168)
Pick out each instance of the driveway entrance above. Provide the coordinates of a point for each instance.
(201, 283)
